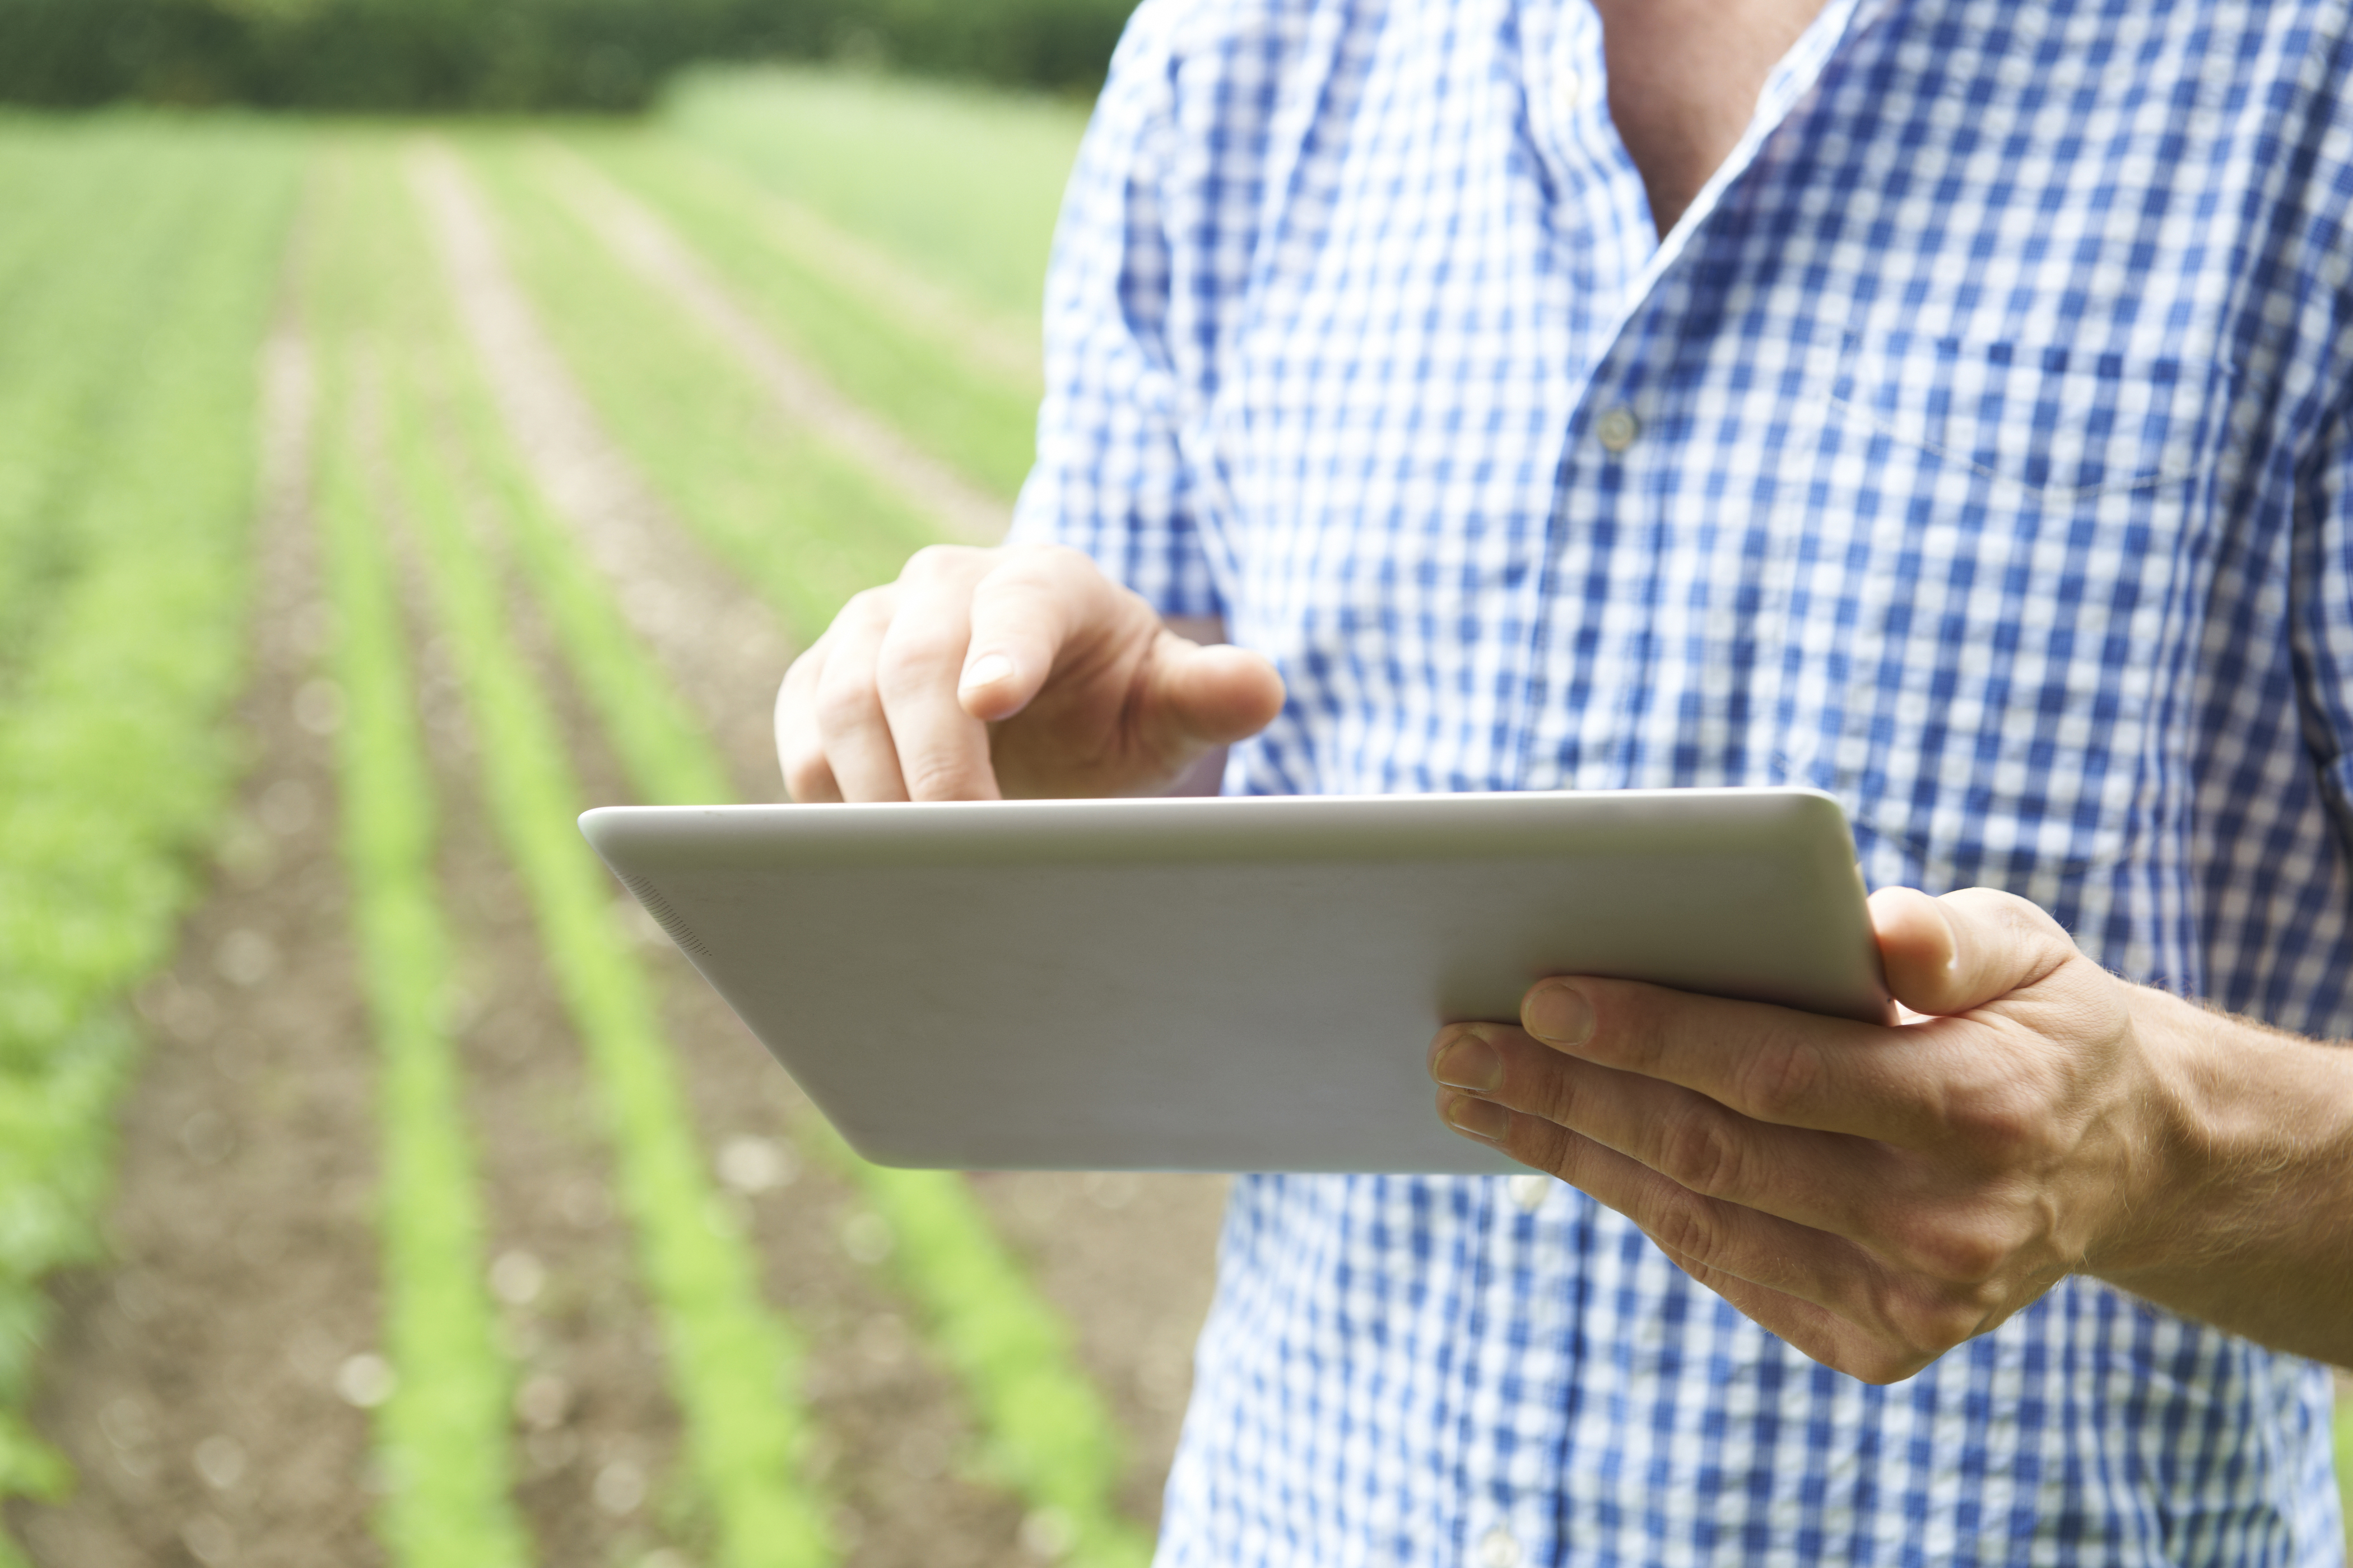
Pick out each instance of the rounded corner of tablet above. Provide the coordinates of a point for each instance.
(598, 823)
(1810, 800)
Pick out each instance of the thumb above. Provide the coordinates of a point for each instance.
(1947, 955)
(1201, 696)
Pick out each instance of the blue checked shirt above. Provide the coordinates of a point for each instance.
(1976, 449)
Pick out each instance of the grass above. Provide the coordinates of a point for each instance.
(806, 527)
(733, 1364)
(444, 1431)
(114, 765)
(962, 184)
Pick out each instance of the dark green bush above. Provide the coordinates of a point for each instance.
(402, 54)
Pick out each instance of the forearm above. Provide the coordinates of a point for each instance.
(2248, 1223)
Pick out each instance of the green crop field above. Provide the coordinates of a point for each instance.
(266, 378)
(375, 1185)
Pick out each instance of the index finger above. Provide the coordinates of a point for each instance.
(1772, 1064)
(1021, 613)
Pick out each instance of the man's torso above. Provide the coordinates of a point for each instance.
(1968, 451)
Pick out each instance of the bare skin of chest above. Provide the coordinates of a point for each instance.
(1683, 80)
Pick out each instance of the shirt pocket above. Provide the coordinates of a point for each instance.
(2018, 518)
(2057, 425)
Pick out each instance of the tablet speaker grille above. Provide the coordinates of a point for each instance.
(673, 927)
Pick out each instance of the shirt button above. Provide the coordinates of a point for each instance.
(1616, 428)
(1530, 1191)
(1498, 1550)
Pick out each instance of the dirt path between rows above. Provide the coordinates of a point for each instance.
(645, 245)
(194, 1383)
(984, 339)
(722, 646)
(600, 1426)
(205, 1382)
(1129, 1259)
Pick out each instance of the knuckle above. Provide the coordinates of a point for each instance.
(903, 670)
(2028, 929)
(1697, 1150)
(1882, 1364)
(806, 777)
(1541, 1089)
(2004, 1116)
(845, 698)
(1538, 1143)
(1961, 1252)
(913, 655)
(933, 776)
(1049, 568)
(937, 562)
(1050, 557)
(868, 607)
(1930, 1328)
(1776, 1078)
(1686, 1228)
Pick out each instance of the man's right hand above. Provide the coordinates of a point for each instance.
(1021, 671)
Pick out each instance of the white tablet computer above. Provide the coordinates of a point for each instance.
(1218, 985)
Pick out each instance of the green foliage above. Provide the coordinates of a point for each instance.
(406, 55)
(1050, 1437)
(113, 765)
(444, 1432)
(55, 182)
(2345, 1456)
(644, 718)
(971, 416)
(734, 1365)
(960, 184)
(91, 288)
(803, 524)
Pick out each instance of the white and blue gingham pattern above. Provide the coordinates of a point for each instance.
(1974, 449)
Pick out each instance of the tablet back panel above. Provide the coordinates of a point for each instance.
(1239, 985)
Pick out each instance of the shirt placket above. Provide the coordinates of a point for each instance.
(1510, 1506)
(1613, 433)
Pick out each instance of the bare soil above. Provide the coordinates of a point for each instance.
(203, 1382)
(1129, 1259)
(194, 1382)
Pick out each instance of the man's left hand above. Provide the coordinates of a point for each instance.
(1873, 1194)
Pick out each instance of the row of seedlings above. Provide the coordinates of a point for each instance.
(84, 288)
(113, 766)
(733, 1363)
(442, 1432)
(898, 346)
(804, 526)
(1051, 1441)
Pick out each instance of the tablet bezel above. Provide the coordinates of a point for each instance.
(1072, 985)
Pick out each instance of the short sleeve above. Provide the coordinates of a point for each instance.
(1111, 479)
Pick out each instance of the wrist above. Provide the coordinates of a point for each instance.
(2181, 1143)
(2242, 1198)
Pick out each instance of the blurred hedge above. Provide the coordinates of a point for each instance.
(398, 55)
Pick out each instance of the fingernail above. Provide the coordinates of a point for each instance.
(1558, 1015)
(987, 670)
(1469, 1062)
(1483, 1120)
